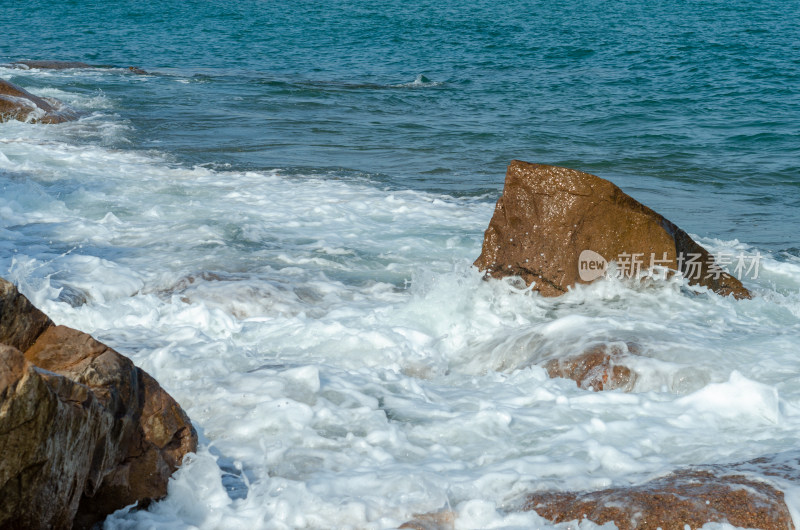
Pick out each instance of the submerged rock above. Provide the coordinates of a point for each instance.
(65, 65)
(550, 221)
(444, 520)
(740, 494)
(50, 65)
(83, 432)
(688, 497)
(600, 367)
(16, 103)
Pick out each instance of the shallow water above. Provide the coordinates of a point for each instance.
(279, 222)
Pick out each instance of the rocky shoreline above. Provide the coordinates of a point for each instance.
(83, 432)
(547, 219)
(16, 103)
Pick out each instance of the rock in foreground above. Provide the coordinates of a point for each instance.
(548, 216)
(687, 497)
(16, 103)
(83, 432)
(739, 494)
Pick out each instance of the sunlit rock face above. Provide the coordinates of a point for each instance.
(16, 103)
(83, 432)
(555, 227)
(690, 497)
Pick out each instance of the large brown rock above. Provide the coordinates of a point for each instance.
(547, 216)
(83, 432)
(16, 103)
(687, 497)
(49, 429)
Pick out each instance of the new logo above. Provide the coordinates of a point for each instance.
(591, 265)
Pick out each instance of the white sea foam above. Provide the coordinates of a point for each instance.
(345, 365)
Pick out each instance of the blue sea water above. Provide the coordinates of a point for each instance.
(278, 221)
(696, 99)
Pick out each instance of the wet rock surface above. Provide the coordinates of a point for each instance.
(744, 494)
(16, 103)
(65, 65)
(444, 520)
(548, 216)
(49, 429)
(50, 65)
(688, 497)
(20, 322)
(599, 367)
(83, 431)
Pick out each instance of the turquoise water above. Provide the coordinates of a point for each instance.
(681, 103)
(278, 222)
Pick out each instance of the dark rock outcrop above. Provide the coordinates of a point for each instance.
(83, 432)
(687, 497)
(50, 65)
(548, 216)
(599, 367)
(16, 103)
(65, 65)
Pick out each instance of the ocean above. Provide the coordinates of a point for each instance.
(278, 221)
